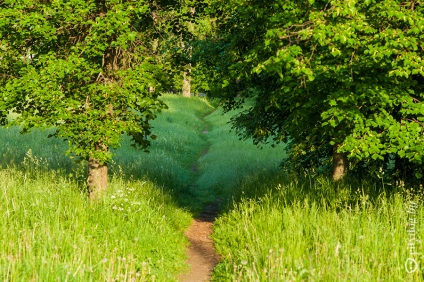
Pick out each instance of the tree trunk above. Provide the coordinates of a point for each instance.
(186, 84)
(339, 164)
(97, 178)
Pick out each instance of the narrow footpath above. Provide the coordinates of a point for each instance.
(202, 256)
(201, 253)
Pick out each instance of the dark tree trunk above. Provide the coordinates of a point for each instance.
(339, 164)
(97, 178)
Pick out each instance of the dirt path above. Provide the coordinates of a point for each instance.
(202, 256)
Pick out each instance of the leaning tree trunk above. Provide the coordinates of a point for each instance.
(97, 178)
(186, 85)
(339, 164)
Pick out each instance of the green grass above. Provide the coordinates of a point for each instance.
(228, 160)
(173, 155)
(272, 227)
(50, 232)
(313, 230)
(20, 147)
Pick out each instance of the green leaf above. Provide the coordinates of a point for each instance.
(332, 103)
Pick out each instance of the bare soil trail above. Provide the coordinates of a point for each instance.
(201, 253)
(202, 256)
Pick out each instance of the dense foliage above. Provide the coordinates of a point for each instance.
(82, 66)
(326, 75)
(86, 67)
(333, 79)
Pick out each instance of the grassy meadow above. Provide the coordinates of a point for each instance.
(272, 227)
(50, 232)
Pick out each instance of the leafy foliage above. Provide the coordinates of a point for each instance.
(343, 73)
(84, 67)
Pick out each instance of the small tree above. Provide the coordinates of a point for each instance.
(84, 67)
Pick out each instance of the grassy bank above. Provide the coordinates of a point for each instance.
(51, 233)
(313, 230)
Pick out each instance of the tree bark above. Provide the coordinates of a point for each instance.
(186, 85)
(97, 178)
(340, 164)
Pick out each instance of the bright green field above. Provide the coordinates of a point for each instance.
(272, 227)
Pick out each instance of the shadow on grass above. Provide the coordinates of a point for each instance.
(290, 190)
(169, 165)
(193, 178)
(183, 196)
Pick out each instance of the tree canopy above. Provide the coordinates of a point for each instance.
(328, 77)
(86, 68)
(332, 79)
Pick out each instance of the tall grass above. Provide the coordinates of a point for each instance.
(289, 228)
(19, 148)
(228, 160)
(49, 231)
(272, 227)
(283, 229)
(171, 161)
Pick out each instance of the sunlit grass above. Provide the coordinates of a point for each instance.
(50, 232)
(273, 227)
(316, 231)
